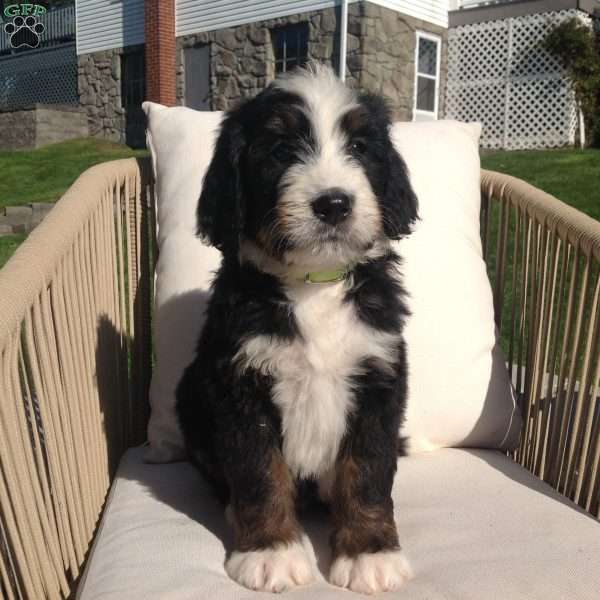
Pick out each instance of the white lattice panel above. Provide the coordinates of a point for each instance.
(499, 75)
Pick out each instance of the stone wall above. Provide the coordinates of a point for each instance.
(380, 58)
(380, 54)
(385, 62)
(17, 129)
(40, 125)
(242, 62)
(99, 83)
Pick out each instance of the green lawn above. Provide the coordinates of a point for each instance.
(43, 175)
(573, 176)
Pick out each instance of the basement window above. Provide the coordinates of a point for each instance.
(427, 77)
(290, 46)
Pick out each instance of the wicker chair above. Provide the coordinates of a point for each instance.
(75, 357)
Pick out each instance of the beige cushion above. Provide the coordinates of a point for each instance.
(459, 391)
(474, 525)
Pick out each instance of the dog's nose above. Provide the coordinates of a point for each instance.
(332, 206)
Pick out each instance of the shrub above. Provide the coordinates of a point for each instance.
(577, 49)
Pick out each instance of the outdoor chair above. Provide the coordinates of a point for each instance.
(76, 361)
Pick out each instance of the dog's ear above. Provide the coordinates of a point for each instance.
(221, 208)
(399, 202)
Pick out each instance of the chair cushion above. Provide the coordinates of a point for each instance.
(459, 390)
(474, 525)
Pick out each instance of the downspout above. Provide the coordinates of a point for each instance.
(343, 39)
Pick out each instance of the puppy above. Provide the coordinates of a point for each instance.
(301, 370)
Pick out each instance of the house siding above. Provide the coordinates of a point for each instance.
(429, 11)
(196, 16)
(106, 24)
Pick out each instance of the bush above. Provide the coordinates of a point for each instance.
(577, 49)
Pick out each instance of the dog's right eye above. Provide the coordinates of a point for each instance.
(358, 147)
(281, 152)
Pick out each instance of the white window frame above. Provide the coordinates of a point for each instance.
(438, 40)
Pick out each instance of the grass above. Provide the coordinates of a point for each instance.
(8, 244)
(570, 175)
(44, 174)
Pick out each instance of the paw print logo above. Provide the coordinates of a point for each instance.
(24, 32)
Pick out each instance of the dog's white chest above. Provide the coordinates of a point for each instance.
(313, 375)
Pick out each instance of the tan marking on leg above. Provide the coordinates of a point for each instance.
(359, 527)
(271, 520)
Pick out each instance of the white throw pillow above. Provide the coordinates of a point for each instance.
(181, 143)
(459, 390)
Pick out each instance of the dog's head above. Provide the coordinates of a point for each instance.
(308, 173)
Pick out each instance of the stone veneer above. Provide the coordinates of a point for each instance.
(380, 58)
(380, 54)
(99, 83)
(242, 62)
(386, 61)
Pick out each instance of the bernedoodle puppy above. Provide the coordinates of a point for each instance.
(300, 374)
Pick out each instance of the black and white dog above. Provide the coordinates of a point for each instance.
(301, 371)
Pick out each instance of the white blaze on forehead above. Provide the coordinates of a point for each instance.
(326, 98)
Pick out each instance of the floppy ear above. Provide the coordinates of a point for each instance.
(221, 208)
(399, 201)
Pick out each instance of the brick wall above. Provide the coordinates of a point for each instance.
(160, 51)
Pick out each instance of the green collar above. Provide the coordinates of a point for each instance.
(331, 276)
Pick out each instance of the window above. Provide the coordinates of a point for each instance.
(290, 46)
(427, 77)
(196, 62)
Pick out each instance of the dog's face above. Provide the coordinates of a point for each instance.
(307, 172)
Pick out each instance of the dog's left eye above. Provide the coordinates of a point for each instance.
(358, 147)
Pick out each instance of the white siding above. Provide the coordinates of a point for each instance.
(194, 16)
(432, 11)
(105, 24)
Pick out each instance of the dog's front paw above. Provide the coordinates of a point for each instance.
(371, 573)
(271, 570)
